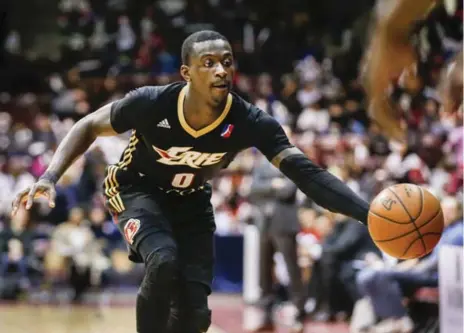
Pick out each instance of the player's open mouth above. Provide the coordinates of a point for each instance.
(222, 86)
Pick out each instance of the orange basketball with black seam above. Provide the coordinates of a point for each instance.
(405, 221)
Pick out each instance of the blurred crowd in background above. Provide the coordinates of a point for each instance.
(299, 61)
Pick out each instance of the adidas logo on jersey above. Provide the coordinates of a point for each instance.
(184, 156)
(164, 123)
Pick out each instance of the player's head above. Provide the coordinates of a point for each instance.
(208, 65)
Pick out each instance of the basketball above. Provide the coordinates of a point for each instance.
(405, 221)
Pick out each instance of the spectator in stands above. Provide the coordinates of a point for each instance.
(267, 101)
(71, 103)
(313, 118)
(13, 179)
(314, 230)
(289, 96)
(105, 231)
(279, 225)
(387, 287)
(406, 166)
(347, 243)
(76, 252)
(15, 254)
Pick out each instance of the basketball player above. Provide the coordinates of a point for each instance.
(182, 135)
(392, 55)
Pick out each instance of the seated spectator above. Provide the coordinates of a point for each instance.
(15, 178)
(334, 272)
(387, 287)
(406, 166)
(15, 252)
(313, 118)
(105, 231)
(76, 253)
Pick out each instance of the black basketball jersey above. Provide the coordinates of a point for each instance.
(174, 157)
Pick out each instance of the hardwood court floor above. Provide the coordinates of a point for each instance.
(227, 318)
(40, 319)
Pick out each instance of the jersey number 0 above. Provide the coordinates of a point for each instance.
(182, 180)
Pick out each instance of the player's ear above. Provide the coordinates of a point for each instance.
(185, 72)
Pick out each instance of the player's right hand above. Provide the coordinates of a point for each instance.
(42, 188)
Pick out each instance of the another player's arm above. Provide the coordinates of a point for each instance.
(393, 32)
(109, 120)
(317, 183)
(389, 54)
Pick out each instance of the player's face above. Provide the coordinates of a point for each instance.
(211, 70)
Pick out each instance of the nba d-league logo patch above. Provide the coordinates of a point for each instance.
(227, 130)
(130, 229)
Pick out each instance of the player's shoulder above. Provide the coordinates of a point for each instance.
(154, 93)
(143, 106)
(252, 118)
(245, 110)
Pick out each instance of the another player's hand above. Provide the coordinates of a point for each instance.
(388, 119)
(387, 61)
(451, 84)
(42, 188)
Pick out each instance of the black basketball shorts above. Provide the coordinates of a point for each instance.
(150, 220)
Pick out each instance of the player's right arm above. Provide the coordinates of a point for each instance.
(109, 120)
(74, 144)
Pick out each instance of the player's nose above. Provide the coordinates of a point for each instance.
(220, 71)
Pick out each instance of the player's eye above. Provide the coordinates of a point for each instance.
(227, 62)
(208, 62)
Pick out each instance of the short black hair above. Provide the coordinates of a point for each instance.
(197, 37)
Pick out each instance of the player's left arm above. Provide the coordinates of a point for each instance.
(317, 183)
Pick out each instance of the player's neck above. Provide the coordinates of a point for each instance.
(198, 113)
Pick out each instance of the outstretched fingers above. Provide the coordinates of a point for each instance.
(18, 200)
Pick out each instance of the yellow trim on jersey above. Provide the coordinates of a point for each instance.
(206, 129)
(127, 154)
(111, 190)
(114, 204)
(111, 185)
(115, 188)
